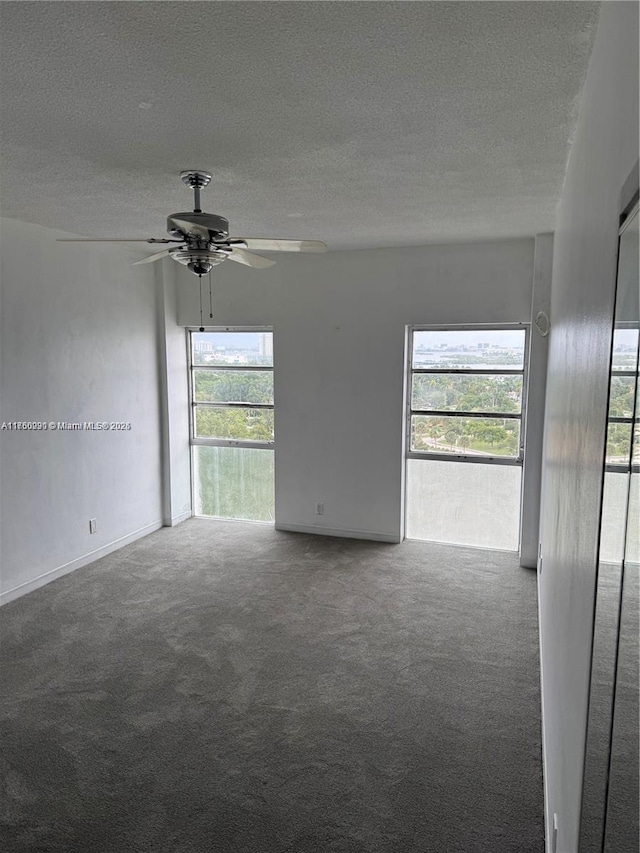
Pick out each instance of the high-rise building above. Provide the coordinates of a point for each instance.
(265, 345)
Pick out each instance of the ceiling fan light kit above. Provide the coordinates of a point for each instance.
(204, 237)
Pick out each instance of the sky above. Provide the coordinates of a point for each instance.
(625, 337)
(513, 338)
(234, 340)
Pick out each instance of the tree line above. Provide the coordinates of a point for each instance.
(464, 393)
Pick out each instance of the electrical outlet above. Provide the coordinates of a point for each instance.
(320, 508)
(93, 525)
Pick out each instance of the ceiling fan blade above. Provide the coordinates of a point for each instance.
(151, 258)
(114, 240)
(250, 260)
(284, 245)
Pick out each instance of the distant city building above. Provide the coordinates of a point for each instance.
(265, 345)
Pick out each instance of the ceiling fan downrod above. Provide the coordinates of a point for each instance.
(195, 179)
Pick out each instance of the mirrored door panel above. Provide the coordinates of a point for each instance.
(611, 759)
(621, 831)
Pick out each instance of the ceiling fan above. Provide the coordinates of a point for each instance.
(204, 237)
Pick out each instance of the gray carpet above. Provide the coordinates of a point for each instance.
(224, 687)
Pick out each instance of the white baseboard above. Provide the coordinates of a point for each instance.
(339, 531)
(178, 519)
(78, 563)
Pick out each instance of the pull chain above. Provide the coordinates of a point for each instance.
(201, 323)
(210, 298)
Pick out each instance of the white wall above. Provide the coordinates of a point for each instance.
(79, 343)
(339, 327)
(604, 152)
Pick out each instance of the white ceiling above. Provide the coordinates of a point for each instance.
(360, 123)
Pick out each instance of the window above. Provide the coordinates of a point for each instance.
(622, 454)
(467, 388)
(622, 390)
(232, 423)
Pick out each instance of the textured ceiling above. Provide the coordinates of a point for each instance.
(363, 124)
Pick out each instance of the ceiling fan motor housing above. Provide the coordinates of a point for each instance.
(209, 225)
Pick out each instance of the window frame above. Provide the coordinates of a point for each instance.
(630, 466)
(630, 421)
(195, 440)
(410, 412)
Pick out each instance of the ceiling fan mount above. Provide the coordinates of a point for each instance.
(195, 178)
(204, 237)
